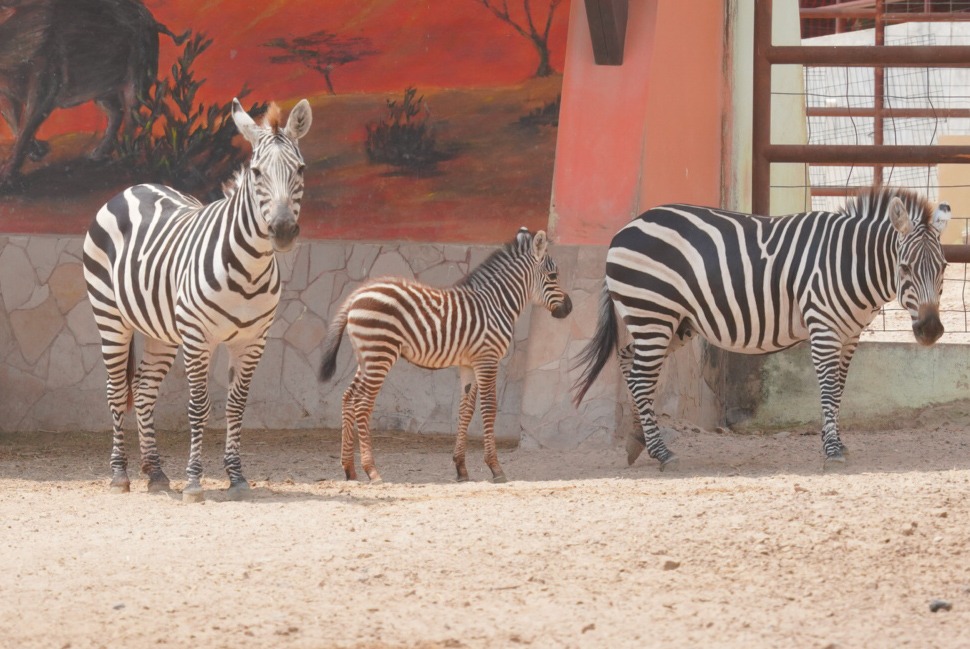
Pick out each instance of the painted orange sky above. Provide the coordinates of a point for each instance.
(424, 43)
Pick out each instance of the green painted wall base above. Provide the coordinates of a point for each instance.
(889, 385)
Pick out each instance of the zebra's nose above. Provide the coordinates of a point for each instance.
(284, 232)
(928, 329)
(563, 309)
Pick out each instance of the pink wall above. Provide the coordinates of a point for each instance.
(644, 133)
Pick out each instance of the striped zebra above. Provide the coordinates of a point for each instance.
(192, 275)
(755, 285)
(468, 325)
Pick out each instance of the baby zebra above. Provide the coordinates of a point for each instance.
(469, 325)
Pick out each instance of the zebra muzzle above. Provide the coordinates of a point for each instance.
(563, 309)
(283, 234)
(928, 328)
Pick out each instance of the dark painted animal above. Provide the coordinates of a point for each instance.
(62, 53)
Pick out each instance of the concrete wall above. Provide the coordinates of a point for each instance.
(52, 376)
(889, 384)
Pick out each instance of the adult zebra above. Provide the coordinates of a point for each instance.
(469, 325)
(756, 284)
(182, 273)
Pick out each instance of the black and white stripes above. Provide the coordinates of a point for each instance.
(192, 275)
(755, 285)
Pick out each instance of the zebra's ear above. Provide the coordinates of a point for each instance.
(246, 125)
(899, 216)
(941, 216)
(298, 123)
(539, 244)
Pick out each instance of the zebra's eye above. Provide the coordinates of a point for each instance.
(904, 269)
(257, 174)
(553, 277)
(301, 169)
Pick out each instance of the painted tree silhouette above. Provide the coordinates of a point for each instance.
(322, 51)
(538, 38)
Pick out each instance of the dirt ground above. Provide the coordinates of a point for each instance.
(747, 544)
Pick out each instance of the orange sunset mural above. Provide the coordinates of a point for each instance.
(433, 120)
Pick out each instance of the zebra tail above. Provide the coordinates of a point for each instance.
(598, 350)
(130, 374)
(331, 345)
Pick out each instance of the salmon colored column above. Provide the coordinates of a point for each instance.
(643, 133)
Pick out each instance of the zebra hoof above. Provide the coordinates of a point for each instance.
(462, 477)
(238, 490)
(158, 483)
(120, 484)
(670, 463)
(634, 447)
(834, 463)
(500, 479)
(193, 494)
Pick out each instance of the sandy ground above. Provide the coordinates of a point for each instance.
(748, 544)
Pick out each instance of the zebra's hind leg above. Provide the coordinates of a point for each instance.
(242, 364)
(650, 350)
(466, 410)
(348, 430)
(197, 354)
(635, 442)
(156, 361)
(485, 374)
(116, 347)
(364, 397)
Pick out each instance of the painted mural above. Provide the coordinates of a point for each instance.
(434, 120)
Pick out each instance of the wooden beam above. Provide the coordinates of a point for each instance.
(607, 29)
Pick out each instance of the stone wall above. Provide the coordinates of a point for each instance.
(52, 376)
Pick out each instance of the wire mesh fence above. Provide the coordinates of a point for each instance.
(924, 91)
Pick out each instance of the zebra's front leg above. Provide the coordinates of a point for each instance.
(649, 353)
(197, 357)
(485, 375)
(156, 361)
(242, 364)
(466, 410)
(827, 354)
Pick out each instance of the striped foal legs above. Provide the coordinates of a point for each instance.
(466, 410)
(156, 361)
(197, 371)
(348, 428)
(485, 374)
(367, 384)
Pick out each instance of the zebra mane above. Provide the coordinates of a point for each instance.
(231, 186)
(873, 201)
(491, 266)
(273, 117)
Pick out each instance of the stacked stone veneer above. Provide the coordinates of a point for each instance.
(52, 377)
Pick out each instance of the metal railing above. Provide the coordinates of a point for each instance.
(878, 57)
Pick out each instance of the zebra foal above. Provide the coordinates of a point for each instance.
(192, 275)
(468, 325)
(756, 285)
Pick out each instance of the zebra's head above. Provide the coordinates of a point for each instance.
(920, 264)
(545, 274)
(275, 172)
